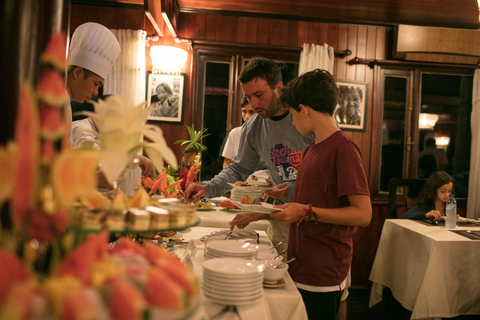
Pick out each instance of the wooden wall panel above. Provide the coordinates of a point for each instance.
(222, 30)
(262, 36)
(201, 26)
(242, 30)
(252, 28)
(293, 27)
(232, 25)
(282, 38)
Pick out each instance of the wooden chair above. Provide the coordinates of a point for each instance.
(411, 189)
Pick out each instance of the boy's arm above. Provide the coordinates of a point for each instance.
(359, 213)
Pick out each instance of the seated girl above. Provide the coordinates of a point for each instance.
(431, 201)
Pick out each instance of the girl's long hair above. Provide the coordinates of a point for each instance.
(429, 189)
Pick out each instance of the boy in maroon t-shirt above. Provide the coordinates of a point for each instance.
(331, 196)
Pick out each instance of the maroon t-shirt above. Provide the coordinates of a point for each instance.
(330, 170)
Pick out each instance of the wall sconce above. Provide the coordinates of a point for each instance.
(427, 120)
(166, 59)
(442, 141)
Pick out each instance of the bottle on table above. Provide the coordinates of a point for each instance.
(451, 213)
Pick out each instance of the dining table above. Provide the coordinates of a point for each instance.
(279, 303)
(432, 271)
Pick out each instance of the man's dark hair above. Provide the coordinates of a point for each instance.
(261, 68)
(287, 73)
(243, 102)
(87, 72)
(316, 89)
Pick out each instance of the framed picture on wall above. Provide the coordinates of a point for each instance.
(351, 111)
(165, 92)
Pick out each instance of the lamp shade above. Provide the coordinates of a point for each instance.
(166, 59)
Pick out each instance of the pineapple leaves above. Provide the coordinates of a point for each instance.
(195, 137)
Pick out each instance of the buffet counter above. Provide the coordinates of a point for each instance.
(281, 303)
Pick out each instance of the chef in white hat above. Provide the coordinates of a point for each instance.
(93, 50)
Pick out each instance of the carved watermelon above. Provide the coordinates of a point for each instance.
(77, 305)
(74, 173)
(161, 291)
(46, 226)
(183, 276)
(126, 301)
(51, 88)
(56, 52)
(78, 263)
(8, 161)
(128, 244)
(12, 270)
(26, 137)
(52, 125)
(48, 152)
(19, 303)
(156, 254)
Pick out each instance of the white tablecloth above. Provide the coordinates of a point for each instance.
(219, 218)
(431, 271)
(283, 303)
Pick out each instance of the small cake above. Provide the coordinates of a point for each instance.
(159, 218)
(115, 220)
(177, 216)
(138, 219)
(92, 219)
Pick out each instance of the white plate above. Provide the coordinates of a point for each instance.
(263, 207)
(252, 188)
(235, 301)
(215, 278)
(246, 295)
(259, 182)
(233, 267)
(231, 247)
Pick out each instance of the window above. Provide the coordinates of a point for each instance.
(425, 124)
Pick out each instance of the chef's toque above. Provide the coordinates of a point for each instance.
(93, 47)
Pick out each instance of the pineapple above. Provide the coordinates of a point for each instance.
(193, 147)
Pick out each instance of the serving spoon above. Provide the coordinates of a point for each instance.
(288, 261)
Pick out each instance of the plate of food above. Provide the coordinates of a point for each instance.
(205, 205)
(258, 181)
(260, 207)
(245, 186)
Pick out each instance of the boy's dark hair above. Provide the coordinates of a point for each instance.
(262, 68)
(429, 189)
(316, 89)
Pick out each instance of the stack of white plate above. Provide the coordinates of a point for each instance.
(238, 193)
(230, 249)
(232, 281)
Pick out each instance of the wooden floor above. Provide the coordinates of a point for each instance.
(387, 309)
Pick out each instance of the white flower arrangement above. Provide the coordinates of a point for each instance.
(121, 128)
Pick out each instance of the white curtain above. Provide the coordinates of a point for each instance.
(473, 201)
(315, 56)
(127, 79)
